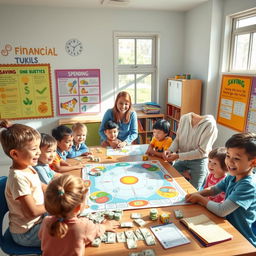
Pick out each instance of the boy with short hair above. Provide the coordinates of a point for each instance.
(48, 146)
(161, 140)
(64, 138)
(111, 131)
(240, 186)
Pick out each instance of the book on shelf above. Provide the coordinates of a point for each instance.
(140, 127)
(205, 230)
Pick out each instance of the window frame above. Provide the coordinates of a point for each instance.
(123, 69)
(251, 29)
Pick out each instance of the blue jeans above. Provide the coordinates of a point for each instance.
(30, 238)
(198, 170)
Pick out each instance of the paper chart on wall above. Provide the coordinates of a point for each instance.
(25, 91)
(78, 91)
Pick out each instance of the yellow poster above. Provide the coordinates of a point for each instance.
(25, 91)
(234, 100)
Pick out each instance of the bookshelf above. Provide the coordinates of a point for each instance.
(145, 126)
(183, 96)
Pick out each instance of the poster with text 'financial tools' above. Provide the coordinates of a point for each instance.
(25, 91)
(78, 91)
(251, 120)
(234, 101)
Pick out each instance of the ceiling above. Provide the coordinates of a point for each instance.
(167, 5)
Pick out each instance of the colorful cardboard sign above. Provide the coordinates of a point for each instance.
(234, 101)
(25, 91)
(78, 91)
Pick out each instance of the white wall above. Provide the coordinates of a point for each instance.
(205, 36)
(52, 27)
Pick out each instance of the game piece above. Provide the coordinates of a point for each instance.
(117, 216)
(135, 215)
(111, 238)
(126, 224)
(149, 252)
(178, 214)
(131, 243)
(130, 234)
(165, 218)
(140, 222)
(111, 215)
(138, 234)
(96, 242)
(109, 157)
(145, 157)
(153, 214)
(104, 237)
(120, 237)
(149, 238)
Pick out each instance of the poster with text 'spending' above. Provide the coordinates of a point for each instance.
(233, 101)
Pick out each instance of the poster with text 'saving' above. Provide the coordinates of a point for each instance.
(78, 91)
(234, 101)
(25, 91)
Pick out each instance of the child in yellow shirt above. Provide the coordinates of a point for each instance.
(161, 140)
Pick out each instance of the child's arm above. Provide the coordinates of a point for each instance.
(63, 166)
(201, 197)
(29, 208)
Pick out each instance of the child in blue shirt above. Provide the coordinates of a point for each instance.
(239, 206)
(126, 118)
(48, 146)
(79, 147)
(111, 131)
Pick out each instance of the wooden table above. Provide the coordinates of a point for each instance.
(237, 246)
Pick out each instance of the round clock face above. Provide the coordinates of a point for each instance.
(74, 47)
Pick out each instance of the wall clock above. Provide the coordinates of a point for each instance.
(74, 47)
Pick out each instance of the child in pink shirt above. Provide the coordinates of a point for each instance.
(64, 232)
(218, 170)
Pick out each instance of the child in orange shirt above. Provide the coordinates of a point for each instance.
(161, 140)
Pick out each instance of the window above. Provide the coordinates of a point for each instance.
(243, 43)
(135, 66)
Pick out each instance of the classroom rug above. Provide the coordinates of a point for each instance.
(131, 185)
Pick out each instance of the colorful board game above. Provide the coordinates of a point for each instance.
(131, 185)
(130, 150)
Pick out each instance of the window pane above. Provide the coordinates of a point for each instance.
(144, 85)
(126, 51)
(144, 51)
(253, 53)
(246, 22)
(126, 83)
(240, 56)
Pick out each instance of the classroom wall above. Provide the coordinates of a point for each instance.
(52, 27)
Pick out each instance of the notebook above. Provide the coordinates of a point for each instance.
(169, 235)
(207, 232)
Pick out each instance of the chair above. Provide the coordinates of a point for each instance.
(7, 244)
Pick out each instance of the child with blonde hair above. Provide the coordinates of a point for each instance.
(24, 190)
(64, 232)
(79, 147)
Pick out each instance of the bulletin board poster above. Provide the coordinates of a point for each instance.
(251, 120)
(78, 91)
(234, 101)
(25, 91)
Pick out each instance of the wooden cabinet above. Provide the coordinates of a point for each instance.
(183, 96)
(145, 126)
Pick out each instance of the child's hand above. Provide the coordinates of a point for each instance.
(150, 151)
(86, 154)
(114, 143)
(111, 225)
(121, 144)
(196, 198)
